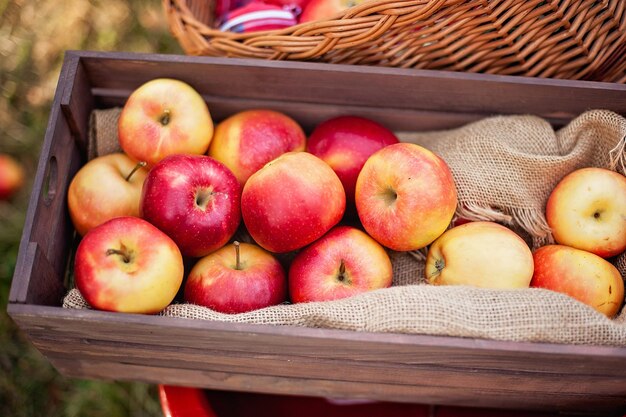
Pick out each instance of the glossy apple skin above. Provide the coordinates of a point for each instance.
(145, 136)
(580, 274)
(147, 283)
(99, 191)
(248, 140)
(292, 201)
(587, 210)
(195, 200)
(11, 176)
(405, 196)
(345, 143)
(325, 9)
(480, 254)
(215, 282)
(343, 263)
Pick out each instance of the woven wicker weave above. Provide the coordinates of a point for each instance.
(571, 39)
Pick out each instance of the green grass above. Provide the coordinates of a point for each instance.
(33, 38)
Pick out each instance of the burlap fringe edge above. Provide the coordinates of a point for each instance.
(530, 220)
(617, 156)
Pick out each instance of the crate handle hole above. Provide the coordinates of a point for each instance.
(49, 188)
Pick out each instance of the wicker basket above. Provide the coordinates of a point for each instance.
(571, 39)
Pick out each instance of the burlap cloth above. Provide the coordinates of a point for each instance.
(504, 168)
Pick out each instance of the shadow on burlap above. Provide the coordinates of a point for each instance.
(505, 168)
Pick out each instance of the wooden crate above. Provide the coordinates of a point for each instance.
(295, 360)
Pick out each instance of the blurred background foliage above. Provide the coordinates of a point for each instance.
(34, 34)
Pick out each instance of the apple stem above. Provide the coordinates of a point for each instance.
(139, 165)
(440, 264)
(237, 260)
(342, 271)
(123, 253)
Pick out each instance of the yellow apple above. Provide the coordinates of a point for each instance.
(104, 188)
(587, 210)
(581, 275)
(164, 117)
(480, 254)
(128, 265)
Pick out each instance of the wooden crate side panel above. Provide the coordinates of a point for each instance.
(150, 329)
(366, 86)
(452, 374)
(310, 115)
(77, 101)
(48, 232)
(420, 392)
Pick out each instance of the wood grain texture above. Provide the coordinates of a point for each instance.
(293, 360)
(47, 221)
(77, 101)
(366, 86)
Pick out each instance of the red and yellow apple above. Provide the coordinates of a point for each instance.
(128, 265)
(104, 188)
(237, 278)
(343, 263)
(164, 117)
(324, 9)
(580, 274)
(11, 176)
(405, 196)
(480, 254)
(291, 202)
(195, 200)
(248, 140)
(345, 143)
(587, 210)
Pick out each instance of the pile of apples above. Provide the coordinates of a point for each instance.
(320, 213)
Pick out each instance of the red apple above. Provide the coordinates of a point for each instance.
(587, 210)
(11, 176)
(292, 201)
(237, 278)
(248, 140)
(128, 265)
(581, 275)
(104, 188)
(343, 263)
(405, 196)
(324, 9)
(345, 143)
(195, 200)
(480, 254)
(164, 117)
